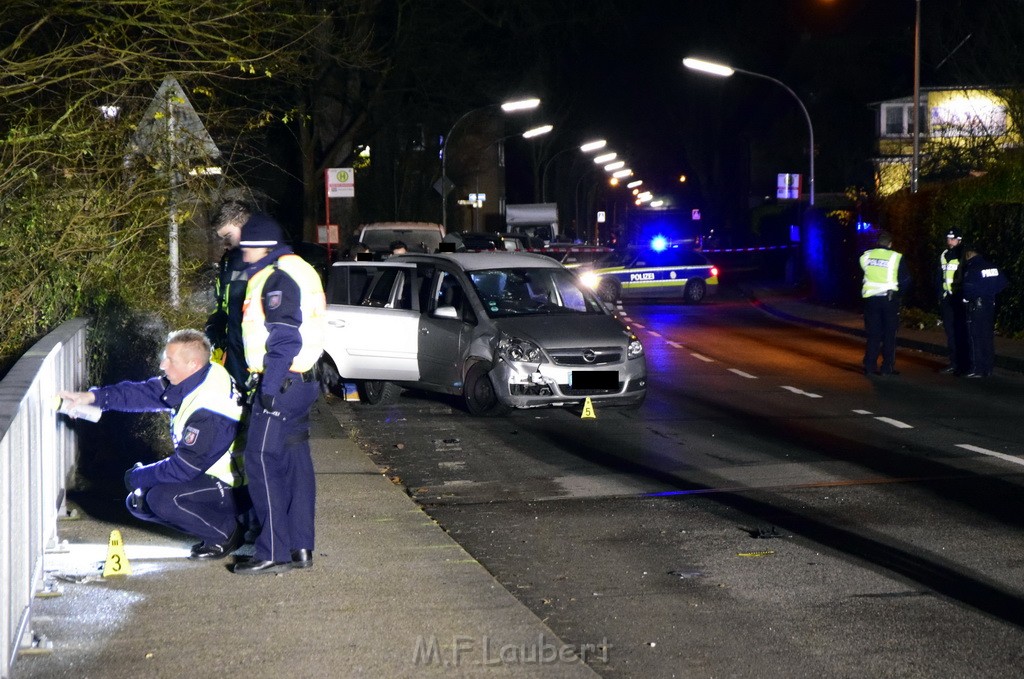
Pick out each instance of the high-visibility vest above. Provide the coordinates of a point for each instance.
(880, 267)
(313, 306)
(217, 394)
(949, 267)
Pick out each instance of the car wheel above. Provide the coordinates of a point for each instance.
(330, 380)
(695, 291)
(479, 394)
(609, 291)
(378, 392)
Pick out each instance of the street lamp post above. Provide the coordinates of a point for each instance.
(584, 148)
(507, 107)
(915, 166)
(725, 71)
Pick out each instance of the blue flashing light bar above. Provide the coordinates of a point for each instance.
(659, 243)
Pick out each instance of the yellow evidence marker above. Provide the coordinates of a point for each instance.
(588, 410)
(117, 562)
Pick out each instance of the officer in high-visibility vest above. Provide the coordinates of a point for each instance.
(199, 489)
(885, 279)
(951, 306)
(224, 326)
(283, 326)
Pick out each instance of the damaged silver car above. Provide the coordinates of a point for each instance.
(501, 330)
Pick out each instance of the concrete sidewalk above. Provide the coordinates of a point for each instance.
(390, 595)
(790, 304)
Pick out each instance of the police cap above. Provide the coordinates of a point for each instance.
(955, 232)
(261, 231)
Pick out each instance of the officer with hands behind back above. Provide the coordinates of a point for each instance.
(199, 489)
(982, 281)
(283, 327)
(885, 279)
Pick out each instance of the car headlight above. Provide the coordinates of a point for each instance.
(590, 279)
(635, 348)
(519, 350)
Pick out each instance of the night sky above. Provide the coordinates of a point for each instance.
(627, 83)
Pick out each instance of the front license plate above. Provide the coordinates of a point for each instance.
(594, 379)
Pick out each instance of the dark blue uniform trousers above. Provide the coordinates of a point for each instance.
(981, 324)
(279, 466)
(881, 321)
(205, 507)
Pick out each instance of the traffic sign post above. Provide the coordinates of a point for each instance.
(339, 182)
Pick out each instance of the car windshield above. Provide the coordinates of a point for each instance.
(532, 291)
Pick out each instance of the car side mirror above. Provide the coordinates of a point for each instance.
(446, 312)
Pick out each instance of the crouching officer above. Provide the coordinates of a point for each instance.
(283, 327)
(982, 281)
(199, 489)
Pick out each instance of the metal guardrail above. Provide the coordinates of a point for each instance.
(38, 452)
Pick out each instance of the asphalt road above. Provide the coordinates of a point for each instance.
(770, 511)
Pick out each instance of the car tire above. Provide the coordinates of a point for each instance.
(479, 393)
(694, 291)
(609, 291)
(330, 381)
(378, 392)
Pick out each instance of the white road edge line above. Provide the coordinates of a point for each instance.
(895, 423)
(801, 392)
(742, 374)
(701, 357)
(986, 451)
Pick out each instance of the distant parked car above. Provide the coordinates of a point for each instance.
(672, 272)
(417, 236)
(501, 330)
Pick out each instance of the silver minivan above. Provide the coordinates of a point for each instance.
(501, 330)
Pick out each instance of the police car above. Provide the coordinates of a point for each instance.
(659, 271)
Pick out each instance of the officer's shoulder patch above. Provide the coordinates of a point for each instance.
(274, 299)
(191, 436)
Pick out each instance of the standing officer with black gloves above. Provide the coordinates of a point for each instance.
(885, 278)
(283, 328)
(951, 306)
(224, 326)
(199, 489)
(982, 281)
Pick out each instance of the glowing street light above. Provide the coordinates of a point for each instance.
(623, 173)
(724, 71)
(587, 147)
(537, 131)
(617, 165)
(605, 158)
(593, 145)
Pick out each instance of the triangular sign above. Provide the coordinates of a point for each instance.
(588, 410)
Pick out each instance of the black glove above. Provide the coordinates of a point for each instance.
(128, 476)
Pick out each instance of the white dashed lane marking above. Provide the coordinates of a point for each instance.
(676, 345)
(801, 392)
(701, 357)
(742, 374)
(895, 423)
(985, 451)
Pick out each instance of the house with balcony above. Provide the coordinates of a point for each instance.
(961, 130)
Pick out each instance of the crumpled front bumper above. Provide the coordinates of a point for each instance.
(538, 385)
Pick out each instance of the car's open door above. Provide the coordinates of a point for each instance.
(373, 321)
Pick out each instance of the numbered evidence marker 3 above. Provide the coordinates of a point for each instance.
(117, 562)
